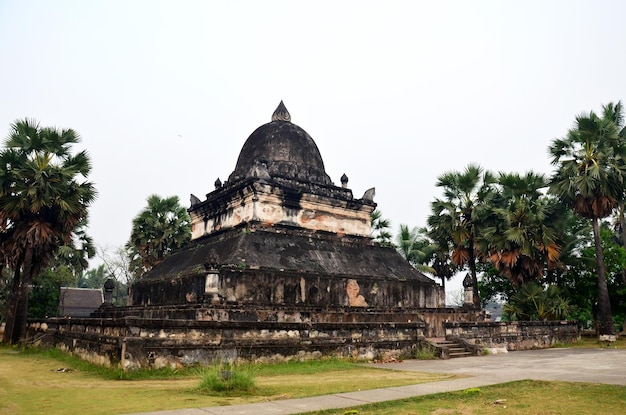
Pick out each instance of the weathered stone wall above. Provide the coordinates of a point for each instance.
(139, 342)
(328, 209)
(437, 318)
(510, 336)
(247, 285)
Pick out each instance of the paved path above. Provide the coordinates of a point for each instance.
(572, 365)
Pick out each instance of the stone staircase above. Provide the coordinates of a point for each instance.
(450, 349)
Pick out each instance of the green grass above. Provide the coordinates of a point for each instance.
(31, 382)
(227, 381)
(106, 372)
(591, 342)
(515, 398)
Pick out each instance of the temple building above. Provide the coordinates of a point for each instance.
(278, 232)
(281, 263)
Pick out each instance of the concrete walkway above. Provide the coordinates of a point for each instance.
(571, 365)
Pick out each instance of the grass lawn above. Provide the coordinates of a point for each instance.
(515, 398)
(31, 383)
(591, 342)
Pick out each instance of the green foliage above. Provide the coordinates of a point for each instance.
(457, 217)
(380, 229)
(520, 235)
(580, 279)
(160, 228)
(415, 247)
(227, 380)
(93, 278)
(472, 391)
(44, 295)
(44, 198)
(590, 177)
(533, 302)
(494, 286)
(425, 352)
(6, 278)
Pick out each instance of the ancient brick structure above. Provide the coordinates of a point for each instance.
(281, 263)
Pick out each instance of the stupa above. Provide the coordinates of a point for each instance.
(278, 232)
(281, 264)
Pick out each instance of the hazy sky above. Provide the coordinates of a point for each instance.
(165, 93)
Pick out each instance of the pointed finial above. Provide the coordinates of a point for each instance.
(281, 113)
(218, 183)
(344, 181)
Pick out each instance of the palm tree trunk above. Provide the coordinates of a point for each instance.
(622, 224)
(12, 306)
(21, 315)
(472, 264)
(605, 318)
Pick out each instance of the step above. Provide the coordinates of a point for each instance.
(457, 355)
(454, 349)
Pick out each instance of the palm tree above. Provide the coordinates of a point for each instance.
(521, 239)
(459, 215)
(415, 247)
(42, 201)
(162, 227)
(380, 228)
(590, 179)
(615, 112)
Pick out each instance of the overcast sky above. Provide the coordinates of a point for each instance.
(165, 93)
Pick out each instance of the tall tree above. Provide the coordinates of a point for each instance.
(615, 112)
(521, 238)
(44, 196)
(589, 178)
(162, 227)
(459, 214)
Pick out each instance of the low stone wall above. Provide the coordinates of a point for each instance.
(139, 342)
(437, 318)
(434, 318)
(518, 335)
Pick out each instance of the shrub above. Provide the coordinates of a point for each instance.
(532, 302)
(425, 352)
(226, 380)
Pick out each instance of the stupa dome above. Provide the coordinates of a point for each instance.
(281, 149)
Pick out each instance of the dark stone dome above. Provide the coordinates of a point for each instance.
(281, 149)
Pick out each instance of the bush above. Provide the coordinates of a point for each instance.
(533, 302)
(227, 380)
(425, 352)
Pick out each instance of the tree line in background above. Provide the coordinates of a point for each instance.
(552, 247)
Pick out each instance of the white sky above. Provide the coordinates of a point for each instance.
(165, 93)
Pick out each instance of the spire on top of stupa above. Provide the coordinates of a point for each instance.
(281, 113)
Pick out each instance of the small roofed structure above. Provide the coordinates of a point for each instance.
(79, 302)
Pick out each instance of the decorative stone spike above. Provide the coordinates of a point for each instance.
(369, 194)
(344, 181)
(218, 183)
(281, 113)
(194, 199)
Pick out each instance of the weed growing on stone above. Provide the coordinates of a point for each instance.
(425, 352)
